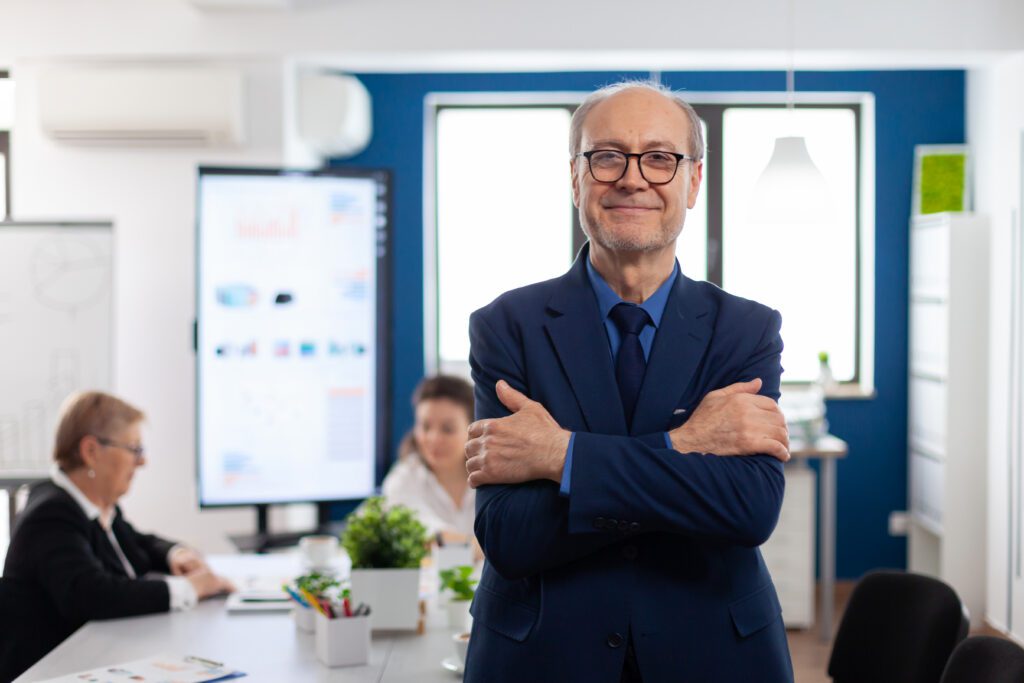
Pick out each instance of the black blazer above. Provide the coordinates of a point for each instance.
(70, 567)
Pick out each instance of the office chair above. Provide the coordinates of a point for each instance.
(898, 628)
(984, 659)
(24, 634)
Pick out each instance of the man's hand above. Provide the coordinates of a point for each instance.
(735, 420)
(184, 561)
(525, 446)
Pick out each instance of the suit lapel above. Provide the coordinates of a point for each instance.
(581, 343)
(679, 346)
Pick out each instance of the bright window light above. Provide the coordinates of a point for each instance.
(808, 272)
(692, 245)
(504, 210)
(3, 187)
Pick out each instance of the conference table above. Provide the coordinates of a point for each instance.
(265, 645)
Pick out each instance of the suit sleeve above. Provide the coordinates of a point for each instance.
(156, 549)
(523, 529)
(76, 580)
(644, 488)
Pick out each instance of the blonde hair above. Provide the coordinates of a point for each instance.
(89, 413)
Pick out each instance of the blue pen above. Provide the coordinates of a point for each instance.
(295, 596)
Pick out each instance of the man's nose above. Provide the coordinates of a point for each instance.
(632, 179)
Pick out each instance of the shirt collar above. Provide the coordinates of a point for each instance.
(91, 510)
(607, 299)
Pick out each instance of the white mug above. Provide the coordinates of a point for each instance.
(318, 551)
(461, 641)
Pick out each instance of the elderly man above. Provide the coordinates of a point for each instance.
(621, 537)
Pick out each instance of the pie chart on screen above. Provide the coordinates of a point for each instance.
(68, 274)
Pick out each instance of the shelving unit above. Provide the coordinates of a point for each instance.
(947, 402)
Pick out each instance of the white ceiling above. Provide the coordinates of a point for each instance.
(526, 34)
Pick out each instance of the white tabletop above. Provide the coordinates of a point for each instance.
(266, 646)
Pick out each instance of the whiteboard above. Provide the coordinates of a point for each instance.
(56, 306)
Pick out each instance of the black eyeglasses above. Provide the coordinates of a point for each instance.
(656, 167)
(138, 451)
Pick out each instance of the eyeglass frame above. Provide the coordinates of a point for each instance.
(138, 451)
(680, 158)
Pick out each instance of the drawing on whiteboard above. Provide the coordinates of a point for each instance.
(69, 274)
(56, 291)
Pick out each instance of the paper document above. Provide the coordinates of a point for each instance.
(159, 669)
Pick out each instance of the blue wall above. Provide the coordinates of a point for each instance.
(911, 107)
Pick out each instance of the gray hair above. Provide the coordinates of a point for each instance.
(593, 99)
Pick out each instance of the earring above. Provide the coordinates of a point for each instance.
(91, 474)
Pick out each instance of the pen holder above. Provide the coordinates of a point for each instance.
(304, 618)
(344, 641)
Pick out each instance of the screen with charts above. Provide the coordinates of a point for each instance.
(291, 334)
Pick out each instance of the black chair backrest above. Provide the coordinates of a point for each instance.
(897, 628)
(27, 630)
(984, 659)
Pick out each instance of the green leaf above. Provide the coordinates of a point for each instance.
(379, 537)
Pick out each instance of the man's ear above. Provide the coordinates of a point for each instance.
(575, 183)
(695, 177)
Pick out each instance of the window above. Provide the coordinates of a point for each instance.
(815, 274)
(502, 197)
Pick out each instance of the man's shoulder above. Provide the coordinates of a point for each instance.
(530, 299)
(730, 307)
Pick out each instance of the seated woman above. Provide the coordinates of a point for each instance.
(73, 549)
(430, 474)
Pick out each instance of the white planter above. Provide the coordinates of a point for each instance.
(304, 618)
(392, 594)
(459, 618)
(344, 641)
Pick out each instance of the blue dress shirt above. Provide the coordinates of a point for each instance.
(607, 299)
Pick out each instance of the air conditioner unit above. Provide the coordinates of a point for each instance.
(142, 104)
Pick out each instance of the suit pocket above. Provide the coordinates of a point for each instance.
(755, 611)
(500, 614)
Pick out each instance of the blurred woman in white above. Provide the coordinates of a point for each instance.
(430, 474)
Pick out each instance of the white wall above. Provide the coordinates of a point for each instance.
(699, 30)
(150, 195)
(995, 122)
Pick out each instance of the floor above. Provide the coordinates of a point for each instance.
(810, 656)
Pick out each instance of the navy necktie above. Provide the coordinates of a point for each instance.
(630, 363)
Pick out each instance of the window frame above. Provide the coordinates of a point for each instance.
(711, 107)
(5, 151)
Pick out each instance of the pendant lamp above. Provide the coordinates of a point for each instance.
(790, 189)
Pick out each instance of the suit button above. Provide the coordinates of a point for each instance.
(615, 640)
(634, 527)
(610, 524)
(629, 552)
(599, 522)
(623, 525)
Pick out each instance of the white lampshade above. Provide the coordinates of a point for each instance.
(791, 189)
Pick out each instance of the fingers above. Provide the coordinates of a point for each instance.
(776, 449)
(478, 429)
(510, 398)
(751, 387)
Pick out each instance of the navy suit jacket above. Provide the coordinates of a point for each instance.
(651, 544)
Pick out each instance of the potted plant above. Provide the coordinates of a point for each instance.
(386, 545)
(458, 583)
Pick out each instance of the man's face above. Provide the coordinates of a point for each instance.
(632, 214)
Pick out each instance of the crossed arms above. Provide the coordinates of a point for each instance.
(516, 455)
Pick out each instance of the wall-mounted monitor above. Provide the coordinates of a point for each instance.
(291, 335)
